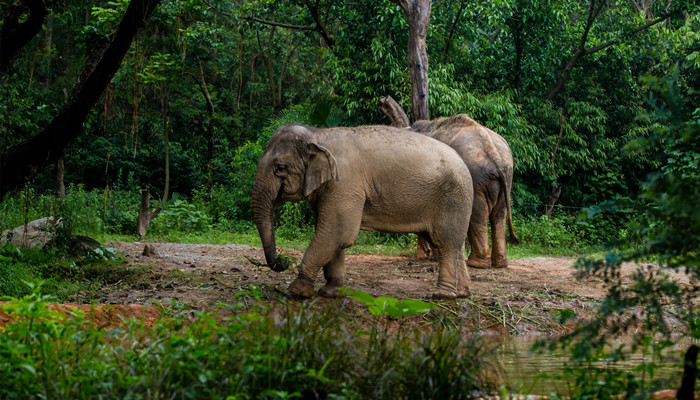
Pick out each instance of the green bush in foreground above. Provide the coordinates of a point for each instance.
(254, 354)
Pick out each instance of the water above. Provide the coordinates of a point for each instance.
(536, 372)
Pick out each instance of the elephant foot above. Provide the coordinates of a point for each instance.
(330, 292)
(479, 262)
(502, 263)
(444, 294)
(463, 293)
(301, 288)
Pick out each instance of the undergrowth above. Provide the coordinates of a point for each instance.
(256, 353)
(64, 277)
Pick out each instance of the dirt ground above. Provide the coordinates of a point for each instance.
(202, 275)
(523, 298)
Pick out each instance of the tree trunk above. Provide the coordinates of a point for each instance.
(394, 112)
(145, 215)
(418, 16)
(166, 141)
(60, 185)
(135, 110)
(210, 125)
(690, 368)
(24, 161)
(13, 35)
(268, 68)
(448, 45)
(517, 36)
(554, 195)
(552, 200)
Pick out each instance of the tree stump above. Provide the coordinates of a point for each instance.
(145, 215)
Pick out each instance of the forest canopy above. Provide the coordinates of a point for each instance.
(204, 83)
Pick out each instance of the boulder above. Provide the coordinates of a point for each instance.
(34, 234)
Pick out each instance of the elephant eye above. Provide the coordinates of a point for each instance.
(280, 168)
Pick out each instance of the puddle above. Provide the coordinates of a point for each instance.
(536, 373)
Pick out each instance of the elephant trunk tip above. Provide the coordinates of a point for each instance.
(280, 264)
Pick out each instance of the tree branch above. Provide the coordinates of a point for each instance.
(394, 112)
(581, 51)
(321, 27)
(282, 25)
(22, 162)
(13, 35)
(615, 41)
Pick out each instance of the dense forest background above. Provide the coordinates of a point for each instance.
(572, 85)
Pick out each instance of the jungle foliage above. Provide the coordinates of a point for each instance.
(597, 99)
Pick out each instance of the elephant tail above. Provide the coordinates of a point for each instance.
(511, 232)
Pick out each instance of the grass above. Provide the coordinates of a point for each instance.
(366, 243)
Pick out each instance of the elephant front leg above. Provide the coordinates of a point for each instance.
(334, 272)
(334, 233)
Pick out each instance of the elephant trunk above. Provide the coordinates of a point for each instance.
(264, 197)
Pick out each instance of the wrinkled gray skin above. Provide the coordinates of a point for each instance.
(490, 162)
(372, 178)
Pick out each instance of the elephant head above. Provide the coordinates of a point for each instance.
(292, 167)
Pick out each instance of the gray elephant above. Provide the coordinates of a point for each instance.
(369, 178)
(490, 162)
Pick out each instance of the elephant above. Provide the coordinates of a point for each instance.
(490, 162)
(364, 178)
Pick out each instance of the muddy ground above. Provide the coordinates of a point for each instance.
(523, 298)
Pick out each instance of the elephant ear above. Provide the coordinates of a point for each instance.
(321, 168)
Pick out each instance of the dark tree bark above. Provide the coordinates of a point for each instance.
(14, 35)
(268, 68)
(690, 370)
(554, 195)
(145, 214)
(166, 139)
(418, 16)
(517, 20)
(20, 163)
(319, 26)
(448, 45)
(201, 81)
(60, 185)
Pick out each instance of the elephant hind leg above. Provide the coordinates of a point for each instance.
(497, 219)
(479, 256)
(453, 278)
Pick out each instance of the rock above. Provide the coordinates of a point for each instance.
(149, 251)
(81, 246)
(34, 234)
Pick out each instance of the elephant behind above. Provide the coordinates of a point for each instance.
(370, 178)
(490, 162)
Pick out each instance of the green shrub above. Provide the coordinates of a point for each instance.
(547, 233)
(254, 354)
(220, 203)
(13, 274)
(180, 217)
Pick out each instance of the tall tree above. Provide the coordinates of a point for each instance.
(418, 16)
(21, 162)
